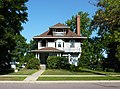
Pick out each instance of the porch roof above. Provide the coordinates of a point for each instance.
(47, 49)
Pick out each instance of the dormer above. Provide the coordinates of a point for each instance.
(59, 29)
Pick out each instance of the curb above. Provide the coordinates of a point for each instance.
(25, 82)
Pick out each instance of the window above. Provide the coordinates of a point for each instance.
(63, 44)
(43, 43)
(55, 44)
(59, 44)
(72, 43)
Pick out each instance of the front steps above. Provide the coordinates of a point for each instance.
(42, 66)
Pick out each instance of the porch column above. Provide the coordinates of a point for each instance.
(36, 55)
(69, 58)
(60, 54)
(79, 55)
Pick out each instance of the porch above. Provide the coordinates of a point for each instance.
(42, 54)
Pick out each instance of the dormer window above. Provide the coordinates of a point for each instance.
(59, 32)
(72, 43)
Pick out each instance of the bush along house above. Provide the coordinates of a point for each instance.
(59, 40)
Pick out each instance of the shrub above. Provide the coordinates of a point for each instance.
(54, 62)
(109, 70)
(74, 68)
(33, 63)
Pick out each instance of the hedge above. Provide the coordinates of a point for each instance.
(55, 62)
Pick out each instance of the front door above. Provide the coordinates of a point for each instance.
(43, 58)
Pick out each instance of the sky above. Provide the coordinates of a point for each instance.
(43, 14)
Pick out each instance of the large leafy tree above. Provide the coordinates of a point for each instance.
(12, 15)
(85, 31)
(32, 45)
(107, 22)
(92, 51)
(84, 26)
(21, 49)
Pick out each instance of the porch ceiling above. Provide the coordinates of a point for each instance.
(47, 49)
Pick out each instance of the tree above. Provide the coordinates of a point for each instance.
(32, 45)
(107, 22)
(84, 60)
(12, 15)
(92, 51)
(85, 23)
(21, 48)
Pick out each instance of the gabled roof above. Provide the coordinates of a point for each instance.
(48, 49)
(59, 25)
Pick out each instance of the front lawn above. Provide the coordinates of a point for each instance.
(12, 78)
(24, 72)
(77, 78)
(81, 72)
(20, 72)
(65, 72)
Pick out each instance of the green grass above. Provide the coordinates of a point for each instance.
(65, 72)
(20, 72)
(102, 72)
(24, 72)
(12, 78)
(111, 73)
(77, 78)
(80, 72)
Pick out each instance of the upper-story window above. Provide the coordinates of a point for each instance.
(43, 43)
(72, 43)
(59, 44)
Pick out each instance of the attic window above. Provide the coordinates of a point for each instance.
(59, 30)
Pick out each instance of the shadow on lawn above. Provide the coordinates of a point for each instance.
(90, 71)
(6, 71)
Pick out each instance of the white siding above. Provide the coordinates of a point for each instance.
(39, 46)
(51, 44)
(77, 47)
(66, 47)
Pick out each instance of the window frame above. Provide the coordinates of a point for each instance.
(72, 43)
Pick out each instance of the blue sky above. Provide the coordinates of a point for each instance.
(45, 13)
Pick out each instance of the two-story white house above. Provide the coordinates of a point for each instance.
(59, 40)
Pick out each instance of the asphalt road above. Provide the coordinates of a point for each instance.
(59, 85)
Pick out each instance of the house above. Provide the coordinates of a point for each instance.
(59, 40)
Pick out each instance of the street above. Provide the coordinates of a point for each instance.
(60, 85)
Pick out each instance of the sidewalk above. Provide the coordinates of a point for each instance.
(34, 76)
(76, 75)
(82, 81)
(72, 75)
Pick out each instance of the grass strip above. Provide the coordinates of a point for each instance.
(77, 78)
(12, 78)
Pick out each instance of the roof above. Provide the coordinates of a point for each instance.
(59, 25)
(49, 34)
(48, 49)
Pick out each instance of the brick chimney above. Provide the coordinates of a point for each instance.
(78, 25)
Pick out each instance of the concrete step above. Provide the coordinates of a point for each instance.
(42, 66)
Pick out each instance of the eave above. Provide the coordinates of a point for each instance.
(61, 37)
